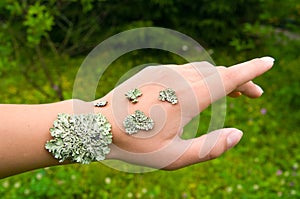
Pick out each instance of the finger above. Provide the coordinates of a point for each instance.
(207, 147)
(239, 74)
(249, 89)
(235, 94)
(227, 80)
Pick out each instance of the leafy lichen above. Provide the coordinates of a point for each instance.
(133, 94)
(137, 121)
(82, 138)
(168, 95)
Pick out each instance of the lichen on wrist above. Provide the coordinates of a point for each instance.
(81, 138)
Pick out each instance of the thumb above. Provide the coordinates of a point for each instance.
(207, 147)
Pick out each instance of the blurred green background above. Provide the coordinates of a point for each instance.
(43, 43)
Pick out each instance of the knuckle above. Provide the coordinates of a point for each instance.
(221, 68)
(228, 74)
(201, 64)
(149, 68)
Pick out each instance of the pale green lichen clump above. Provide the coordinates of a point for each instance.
(137, 121)
(132, 95)
(168, 95)
(82, 138)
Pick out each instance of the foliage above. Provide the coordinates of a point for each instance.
(41, 48)
(33, 31)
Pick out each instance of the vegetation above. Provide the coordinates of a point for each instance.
(43, 43)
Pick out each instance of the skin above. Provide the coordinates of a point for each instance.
(25, 128)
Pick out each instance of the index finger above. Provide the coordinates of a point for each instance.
(242, 73)
(226, 80)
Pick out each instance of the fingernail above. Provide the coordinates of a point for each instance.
(260, 89)
(268, 60)
(233, 138)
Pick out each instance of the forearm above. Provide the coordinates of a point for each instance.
(24, 131)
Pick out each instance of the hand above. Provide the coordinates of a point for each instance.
(197, 85)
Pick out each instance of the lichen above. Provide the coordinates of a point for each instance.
(101, 104)
(137, 121)
(81, 138)
(168, 95)
(133, 94)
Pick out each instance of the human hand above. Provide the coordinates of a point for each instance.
(197, 85)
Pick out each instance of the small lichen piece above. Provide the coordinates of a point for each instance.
(137, 121)
(168, 95)
(101, 104)
(133, 94)
(81, 138)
